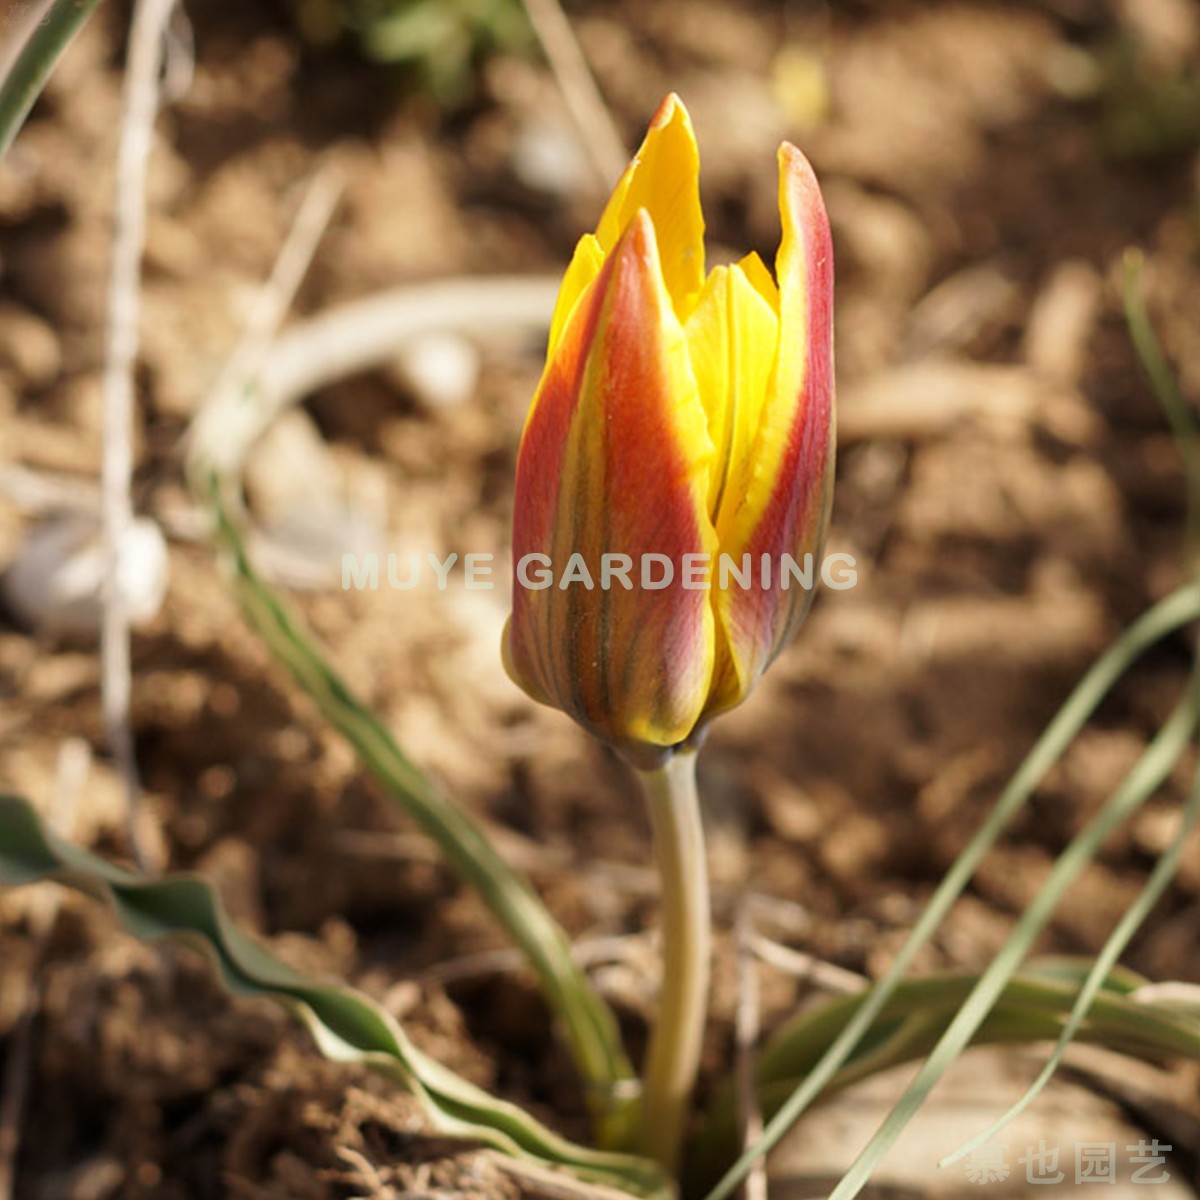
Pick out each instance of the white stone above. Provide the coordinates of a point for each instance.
(55, 583)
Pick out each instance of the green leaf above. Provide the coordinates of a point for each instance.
(1166, 616)
(1083, 1008)
(1145, 776)
(34, 62)
(346, 1025)
(1183, 425)
(1037, 1004)
(591, 1028)
(1175, 408)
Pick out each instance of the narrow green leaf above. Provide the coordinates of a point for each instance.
(1176, 409)
(346, 1025)
(34, 62)
(1183, 425)
(1166, 616)
(1114, 946)
(590, 1026)
(1146, 775)
(1034, 1005)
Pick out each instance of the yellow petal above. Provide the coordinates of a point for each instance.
(731, 335)
(784, 484)
(664, 179)
(584, 267)
(761, 279)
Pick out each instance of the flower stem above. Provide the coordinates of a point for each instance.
(675, 1042)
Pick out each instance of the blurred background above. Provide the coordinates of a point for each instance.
(1006, 484)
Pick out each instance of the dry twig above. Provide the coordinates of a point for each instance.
(803, 966)
(41, 493)
(139, 107)
(747, 1026)
(233, 415)
(542, 1183)
(584, 102)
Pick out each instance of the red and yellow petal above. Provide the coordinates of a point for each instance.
(677, 416)
(784, 483)
(616, 459)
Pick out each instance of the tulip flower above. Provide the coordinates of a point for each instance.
(684, 421)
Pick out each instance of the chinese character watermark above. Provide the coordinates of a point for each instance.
(1146, 1156)
(16, 11)
(1095, 1162)
(1041, 1166)
(988, 1163)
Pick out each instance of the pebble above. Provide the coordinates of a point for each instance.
(441, 370)
(29, 346)
(55, 583)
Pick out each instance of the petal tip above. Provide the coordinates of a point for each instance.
(673, 122)
(638, 243)
(670, 106)
(794, 158)
(801, 204)
(797, 175)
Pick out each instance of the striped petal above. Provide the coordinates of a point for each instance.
(615, 460)
(783, 485)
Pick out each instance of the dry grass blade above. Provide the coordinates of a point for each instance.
(139, 107)
(747, 1027)
(805, 967)
(210, 432)
(584, 102)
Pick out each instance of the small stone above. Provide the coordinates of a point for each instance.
(55, 584)
(546, 157)
(28, 346)
(440, 369)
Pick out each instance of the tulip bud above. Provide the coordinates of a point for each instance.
(683, 431)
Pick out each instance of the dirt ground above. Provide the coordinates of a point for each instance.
(1006, 484)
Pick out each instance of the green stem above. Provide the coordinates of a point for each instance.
(675, 1042)
(31, 68)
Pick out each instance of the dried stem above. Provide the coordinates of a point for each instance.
(357, 336)
(747, 1026)
(139, 107)
(584, 102)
